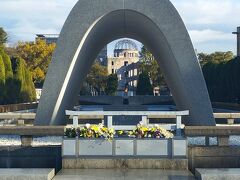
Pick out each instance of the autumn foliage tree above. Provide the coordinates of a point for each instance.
(38, 57)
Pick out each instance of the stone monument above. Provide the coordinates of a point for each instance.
(92, 24)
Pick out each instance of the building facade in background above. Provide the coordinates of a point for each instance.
(48, 38)
(125, 64)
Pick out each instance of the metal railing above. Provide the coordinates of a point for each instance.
(22, 118)
(145, 118)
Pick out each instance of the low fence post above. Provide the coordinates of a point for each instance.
(145, 120)
(109, 121)
(75, 121)
(26, 141)
(223, 141)
(178, 125)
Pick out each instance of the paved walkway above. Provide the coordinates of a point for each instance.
(136, 174)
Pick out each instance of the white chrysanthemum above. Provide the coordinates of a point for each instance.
(88, 125)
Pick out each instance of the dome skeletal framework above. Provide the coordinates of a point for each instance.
(126, 44)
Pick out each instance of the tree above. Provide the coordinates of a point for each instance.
(222, 79)
(149, 64)
(3, 36)
(26, 90)
(8, 76)
(216, 57)
(112, 84)
(2, 80)
(97, 77)
(144, 86)
(7, 64)
(37, 56)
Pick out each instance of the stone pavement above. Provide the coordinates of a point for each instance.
(113, 174)
(26, 174)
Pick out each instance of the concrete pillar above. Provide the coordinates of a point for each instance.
(223, 141)
(75, 121)
(26, 141)
(178, 125)
(145, 120)
(109, 121)
(20, 122)
(238, 41)
(230, 121)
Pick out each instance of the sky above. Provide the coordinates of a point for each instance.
(210, 23)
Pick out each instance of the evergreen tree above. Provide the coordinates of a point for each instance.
(144, 86)
(222, 79)
(8, 77)
(2, 80)
(23, 78)
(112, 84)
(7, 64)
(3, 36)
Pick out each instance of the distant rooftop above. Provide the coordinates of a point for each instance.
(47, 35)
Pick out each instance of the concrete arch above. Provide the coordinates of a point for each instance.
(93, 23)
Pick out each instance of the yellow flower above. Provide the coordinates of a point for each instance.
(95, 128)
(120, 132)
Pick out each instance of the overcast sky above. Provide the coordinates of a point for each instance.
(210, 22)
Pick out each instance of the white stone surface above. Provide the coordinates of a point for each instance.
(196, 141)
(69, 147)
(50, 141)
(38, 141)
(234, 141)
(150, 147)
(10, 141)
(26, 174)
(217, 174)
(179, 147)
(95, 147)
(124, 147)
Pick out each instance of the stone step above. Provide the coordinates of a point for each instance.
(119, 174)
(26, 174)
(216, 174)
(127, 163)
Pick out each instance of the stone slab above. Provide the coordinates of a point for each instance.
(95, 148)
(114, 174)
(124, 147)
(66, 151)
(153, 147)
(211, 131)
(32, 130)
(27, 174)
(124, 163)
(216, 174)
(31, 157)
(179, 148)
(213, 157)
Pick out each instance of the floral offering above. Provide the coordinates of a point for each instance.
(142, 131)
(91, 131)
(100, 131)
